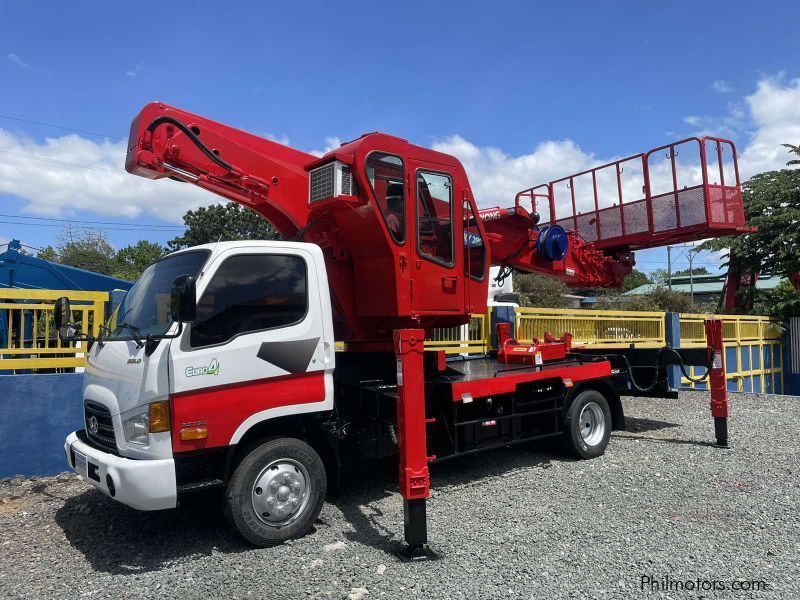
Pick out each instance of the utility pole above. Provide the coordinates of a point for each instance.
(691, 253)
(669, 267)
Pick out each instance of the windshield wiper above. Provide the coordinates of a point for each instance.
(134, 333)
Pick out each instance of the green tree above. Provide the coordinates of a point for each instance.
(659, 299)
(48, 253)
(794, 150)
(132, 260)
(687, 272)
(224, 222)
(540, 291)
(660, 276)
(86, 248)
(782, 302)
(772, 205)
(634, 279)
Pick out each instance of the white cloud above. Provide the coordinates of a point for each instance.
(17, 60)
(730, 125)
(135, 70)
(52, 187)
(761, 122)
(496, 177)
(282, 139)
(331, 143)
(722, 87)
(775, 112)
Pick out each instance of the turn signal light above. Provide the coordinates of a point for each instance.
(159, 416)
(194, 433)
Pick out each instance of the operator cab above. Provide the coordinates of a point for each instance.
(413, 208)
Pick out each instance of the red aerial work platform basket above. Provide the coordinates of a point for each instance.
(680, 192)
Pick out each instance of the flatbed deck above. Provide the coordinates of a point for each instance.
(486, 376)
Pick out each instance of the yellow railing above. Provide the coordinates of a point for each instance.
(735, 328)
(755, 341)
(596, 328)
(474, 338)
(29, 339)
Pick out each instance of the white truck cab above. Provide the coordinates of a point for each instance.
(158, 392)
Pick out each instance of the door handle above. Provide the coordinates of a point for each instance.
(449, 282)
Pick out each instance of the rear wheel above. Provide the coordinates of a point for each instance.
(587, 425)
(277, 491)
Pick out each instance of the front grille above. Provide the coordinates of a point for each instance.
(104, 437)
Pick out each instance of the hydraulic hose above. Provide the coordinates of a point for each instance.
(191, 135)
(654, 383)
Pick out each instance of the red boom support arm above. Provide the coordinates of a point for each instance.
(258, 173)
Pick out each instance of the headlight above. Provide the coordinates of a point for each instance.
(136, 425)
(140, 422)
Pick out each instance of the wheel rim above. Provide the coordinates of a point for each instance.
(592, 423)
(280, 492)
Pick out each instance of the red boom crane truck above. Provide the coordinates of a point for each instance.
(219, 369)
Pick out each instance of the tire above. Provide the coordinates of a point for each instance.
(276, 492)
(587, 425)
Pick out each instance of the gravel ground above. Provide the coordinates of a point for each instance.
(513, 523)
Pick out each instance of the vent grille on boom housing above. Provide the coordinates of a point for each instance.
(322, 183)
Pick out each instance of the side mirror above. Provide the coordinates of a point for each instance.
(62, 313)
(183, 299)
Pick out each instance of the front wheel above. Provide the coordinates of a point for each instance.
(587, 425)
(277, 491)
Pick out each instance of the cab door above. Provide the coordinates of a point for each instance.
(261, 346)
(437, 286)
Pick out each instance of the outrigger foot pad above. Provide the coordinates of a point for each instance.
(721, 432)
(417, 554)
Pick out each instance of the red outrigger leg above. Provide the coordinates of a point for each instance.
(716, 381)
(409, 347)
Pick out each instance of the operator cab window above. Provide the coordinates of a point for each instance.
(474, 246)
(435, 217)
(385, 175)
(250, 293)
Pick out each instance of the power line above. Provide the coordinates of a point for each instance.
(94, 222)
(32, 122)
(132, 227)
(60, 162)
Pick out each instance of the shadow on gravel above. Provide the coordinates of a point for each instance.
(634, 425)
(362, 489)
(678, 442)
(120, 540)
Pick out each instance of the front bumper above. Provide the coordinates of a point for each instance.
(141, 484)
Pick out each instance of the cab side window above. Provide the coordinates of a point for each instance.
(385, 175)
(251, 292)
(474, 246)
(435, 217)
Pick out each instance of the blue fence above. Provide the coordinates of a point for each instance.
(36, 414)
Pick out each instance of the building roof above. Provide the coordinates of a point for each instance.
(703, 284)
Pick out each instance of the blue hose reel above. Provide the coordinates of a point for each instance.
(552, 243)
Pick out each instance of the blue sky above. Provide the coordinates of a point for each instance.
(522, 89)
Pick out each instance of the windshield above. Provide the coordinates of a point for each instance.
(145, 309)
